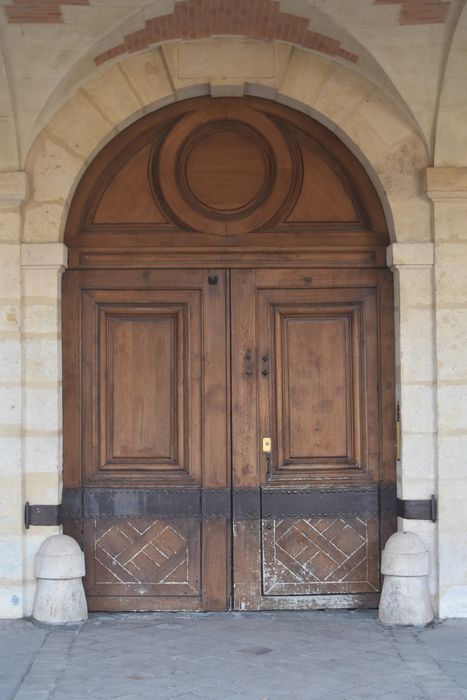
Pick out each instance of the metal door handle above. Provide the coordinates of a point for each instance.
(267, 457)
(248, 364)
(267, 448)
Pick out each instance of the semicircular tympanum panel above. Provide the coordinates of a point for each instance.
(229, 172)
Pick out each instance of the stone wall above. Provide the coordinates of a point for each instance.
(448, 189)
(392, 148)
(12, 193)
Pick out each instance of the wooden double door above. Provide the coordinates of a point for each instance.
(229, 435)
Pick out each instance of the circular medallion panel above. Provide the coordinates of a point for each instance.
(226, 168)
(225, 172)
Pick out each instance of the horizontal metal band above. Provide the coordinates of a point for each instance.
(160, 502)
(72, 504)
(216, 503)
(40, 515)
(247, 504)
(388, 499)
(222, 503)
(426, 509)
(296, 503)
(134, 503)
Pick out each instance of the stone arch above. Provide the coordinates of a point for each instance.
(452, 112)
(371, 124)
(366, 119)
(9, 157)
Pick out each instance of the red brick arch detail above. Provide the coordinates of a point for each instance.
(254, 19)
(420, 11)
(38, 11)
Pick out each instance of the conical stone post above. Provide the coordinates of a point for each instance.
(60, 596)
(405, 598)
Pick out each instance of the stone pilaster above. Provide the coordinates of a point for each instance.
(13, 188)
(447, 187)
(412, 264)
(42, 265)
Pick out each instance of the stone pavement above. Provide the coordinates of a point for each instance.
(332, 655)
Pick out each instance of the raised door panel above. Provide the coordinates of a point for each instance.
(315, 380)
(318, 394)
(141, 386)
(144, 384)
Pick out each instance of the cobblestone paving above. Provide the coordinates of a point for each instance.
(338, 655)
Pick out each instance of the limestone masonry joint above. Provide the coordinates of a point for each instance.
(13, 188)
(446, 183)
(44, 255)
(410, 255)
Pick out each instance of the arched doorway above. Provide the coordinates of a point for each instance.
(228, 365)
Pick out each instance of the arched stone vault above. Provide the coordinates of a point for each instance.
(386, 140)
(452, 111)
(8, 138)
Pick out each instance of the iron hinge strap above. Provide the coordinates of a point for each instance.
(215, 503)
(422, 509)
(40, 515)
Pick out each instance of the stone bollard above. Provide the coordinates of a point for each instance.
(60, 594)
(405, 598)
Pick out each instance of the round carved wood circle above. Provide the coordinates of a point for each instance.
(220, 172)
(226, 168)
(232, 176)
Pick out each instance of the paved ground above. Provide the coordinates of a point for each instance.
(238, 656)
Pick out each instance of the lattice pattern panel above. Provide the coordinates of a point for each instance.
(320, 555)
(144, 557)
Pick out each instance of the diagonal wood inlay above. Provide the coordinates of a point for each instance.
(319, 555)
(135, 552)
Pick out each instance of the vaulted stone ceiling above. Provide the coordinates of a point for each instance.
(49, 47)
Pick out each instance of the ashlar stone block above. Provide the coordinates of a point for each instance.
(80, 125)
(148, 75)
(304, 77)
(54, 170)
(113, 94)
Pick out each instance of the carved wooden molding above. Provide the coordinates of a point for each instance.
(231, 174)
